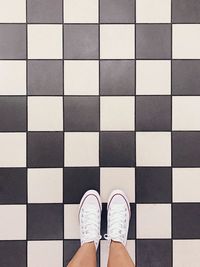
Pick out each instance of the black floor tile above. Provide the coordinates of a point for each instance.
(186, 149)
(81, 41)
(153, 113)
(132, 224)
(45, 77)
(15, 110)
(104, 219)
(13, 253)
(185, 77)
(117, 11)
(77, 181)
(44, 11)
(184, 11)
(153, 41)
(117, 77)
(81, 113)
(45, 149)
(154, 253)
(153, 185)
(186, 220)
(45, 221)
(70, 248)
(13, 41)
(13, 185)
(117, 149)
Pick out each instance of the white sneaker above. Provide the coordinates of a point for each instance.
(90, 217)
(118, 217)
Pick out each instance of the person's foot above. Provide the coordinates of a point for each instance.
(90, 217)
(118, 217)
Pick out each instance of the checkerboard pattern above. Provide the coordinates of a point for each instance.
(99, 94)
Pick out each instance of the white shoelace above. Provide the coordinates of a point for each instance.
(117, 225)
(90, 224)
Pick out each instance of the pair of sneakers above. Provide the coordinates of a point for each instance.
(118, 217)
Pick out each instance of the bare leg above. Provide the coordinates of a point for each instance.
(85, 256)
(118, 256)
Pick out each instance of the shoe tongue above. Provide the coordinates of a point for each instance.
(90, 207)
(118, 207)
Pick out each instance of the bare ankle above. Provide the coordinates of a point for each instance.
(116, 244)
(89, 245)
(117, 248)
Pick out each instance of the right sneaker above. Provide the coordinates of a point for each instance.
(90, 217)
(118, 217)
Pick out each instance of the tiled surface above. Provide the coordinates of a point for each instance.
(99, 94)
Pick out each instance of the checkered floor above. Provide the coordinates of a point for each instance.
(99, 94)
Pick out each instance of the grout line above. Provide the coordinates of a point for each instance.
(171, 143)
(101, 59)
(75, 203)
(104, 95)
(119, 166)
(26, 133)
(103, 23)
(63, 118)
(99, 102)
(74, 239)
(109, 131)
(135, 136)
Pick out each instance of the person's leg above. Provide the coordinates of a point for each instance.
(84, 257)
(90, 220)
(119, 214)
(118, 256)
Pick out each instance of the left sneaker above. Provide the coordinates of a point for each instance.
(90, 217)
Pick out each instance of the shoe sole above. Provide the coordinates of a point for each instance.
(88, 193)
(119, 192)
